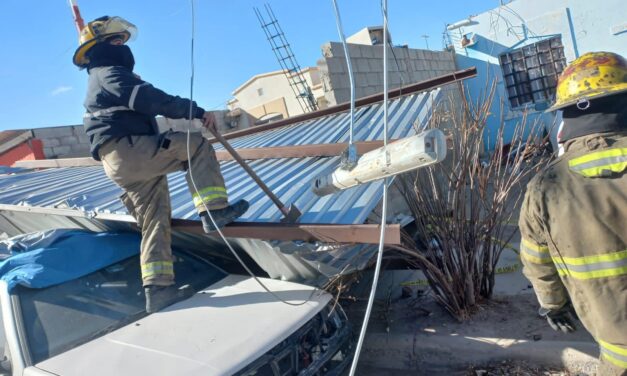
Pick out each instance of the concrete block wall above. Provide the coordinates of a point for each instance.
(71, 141)
(405, 67)
(63, 142)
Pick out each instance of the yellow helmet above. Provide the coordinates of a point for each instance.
(592, 75)
(97, 31)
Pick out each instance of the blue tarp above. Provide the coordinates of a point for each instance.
(52, 257)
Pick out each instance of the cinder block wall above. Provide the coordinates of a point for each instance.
(63, 142)
(71, 141)
(409, 66)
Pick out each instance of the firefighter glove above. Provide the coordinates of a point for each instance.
(560, 319)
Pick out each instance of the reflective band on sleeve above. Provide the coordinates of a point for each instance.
(616, 355)
(208, 194)
(589, 267)
(131, 101)
(106, 111)
(599, 164)
(160, 267)
(534, 253)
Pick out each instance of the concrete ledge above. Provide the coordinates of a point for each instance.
(417, 336)
(431, 353)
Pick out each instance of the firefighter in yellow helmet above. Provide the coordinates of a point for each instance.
(120, 122)
(573, 222)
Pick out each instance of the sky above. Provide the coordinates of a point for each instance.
(40, 87)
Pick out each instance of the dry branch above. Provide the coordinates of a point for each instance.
(463, 206)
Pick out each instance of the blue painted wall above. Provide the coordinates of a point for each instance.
(584, 26)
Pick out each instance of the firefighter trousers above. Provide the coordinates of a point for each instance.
(139, 164)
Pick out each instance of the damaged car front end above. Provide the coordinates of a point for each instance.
(96, 324)
(320, 347)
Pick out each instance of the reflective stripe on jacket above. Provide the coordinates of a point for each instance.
(573, 224)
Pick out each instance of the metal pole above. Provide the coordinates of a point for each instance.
(250, 171)
(78, 20)
(425, 36)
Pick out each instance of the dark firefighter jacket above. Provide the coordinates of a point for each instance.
(120, 104)
(573, 225)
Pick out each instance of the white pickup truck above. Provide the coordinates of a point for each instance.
(96, 325)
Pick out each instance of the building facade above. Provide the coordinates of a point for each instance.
(269, 96)
(524, 45)
(19, 145)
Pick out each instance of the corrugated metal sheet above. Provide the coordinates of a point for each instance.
(88, 189)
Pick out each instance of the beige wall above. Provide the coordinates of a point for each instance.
(368, 36)
(271, 92)
(276, 106)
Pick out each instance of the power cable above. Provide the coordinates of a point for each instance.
(340, 30)
(400, 73)
(377, 270)
(191, 176)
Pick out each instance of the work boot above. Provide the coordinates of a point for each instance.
(223, 216)
(159, 297)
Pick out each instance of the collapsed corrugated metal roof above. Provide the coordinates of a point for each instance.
(88, 190)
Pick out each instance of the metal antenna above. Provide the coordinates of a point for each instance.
(425, 36)
(287, 60)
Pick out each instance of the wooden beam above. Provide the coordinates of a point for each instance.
(394, 93)
(300, 151)
(329, 233)
(292, 151)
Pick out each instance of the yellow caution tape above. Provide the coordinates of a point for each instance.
(501, 270)
(418, 282)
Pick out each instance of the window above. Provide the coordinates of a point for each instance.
(531, 72)
(260, 91)
(61, 317)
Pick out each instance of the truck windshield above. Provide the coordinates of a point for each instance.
(61, 317)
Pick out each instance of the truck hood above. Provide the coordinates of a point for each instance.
(218, 331)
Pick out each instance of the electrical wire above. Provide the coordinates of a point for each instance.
(191, 176)
(399, 72)
(384, 8)
(340, 30)
(377, 269)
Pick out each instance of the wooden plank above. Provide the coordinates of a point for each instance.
(300, 151)
(329, 233)
(292, 151)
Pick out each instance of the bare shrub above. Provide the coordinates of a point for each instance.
(464, 207)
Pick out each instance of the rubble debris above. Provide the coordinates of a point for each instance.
(516, 368)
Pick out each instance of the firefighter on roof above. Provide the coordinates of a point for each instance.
(120, 122)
